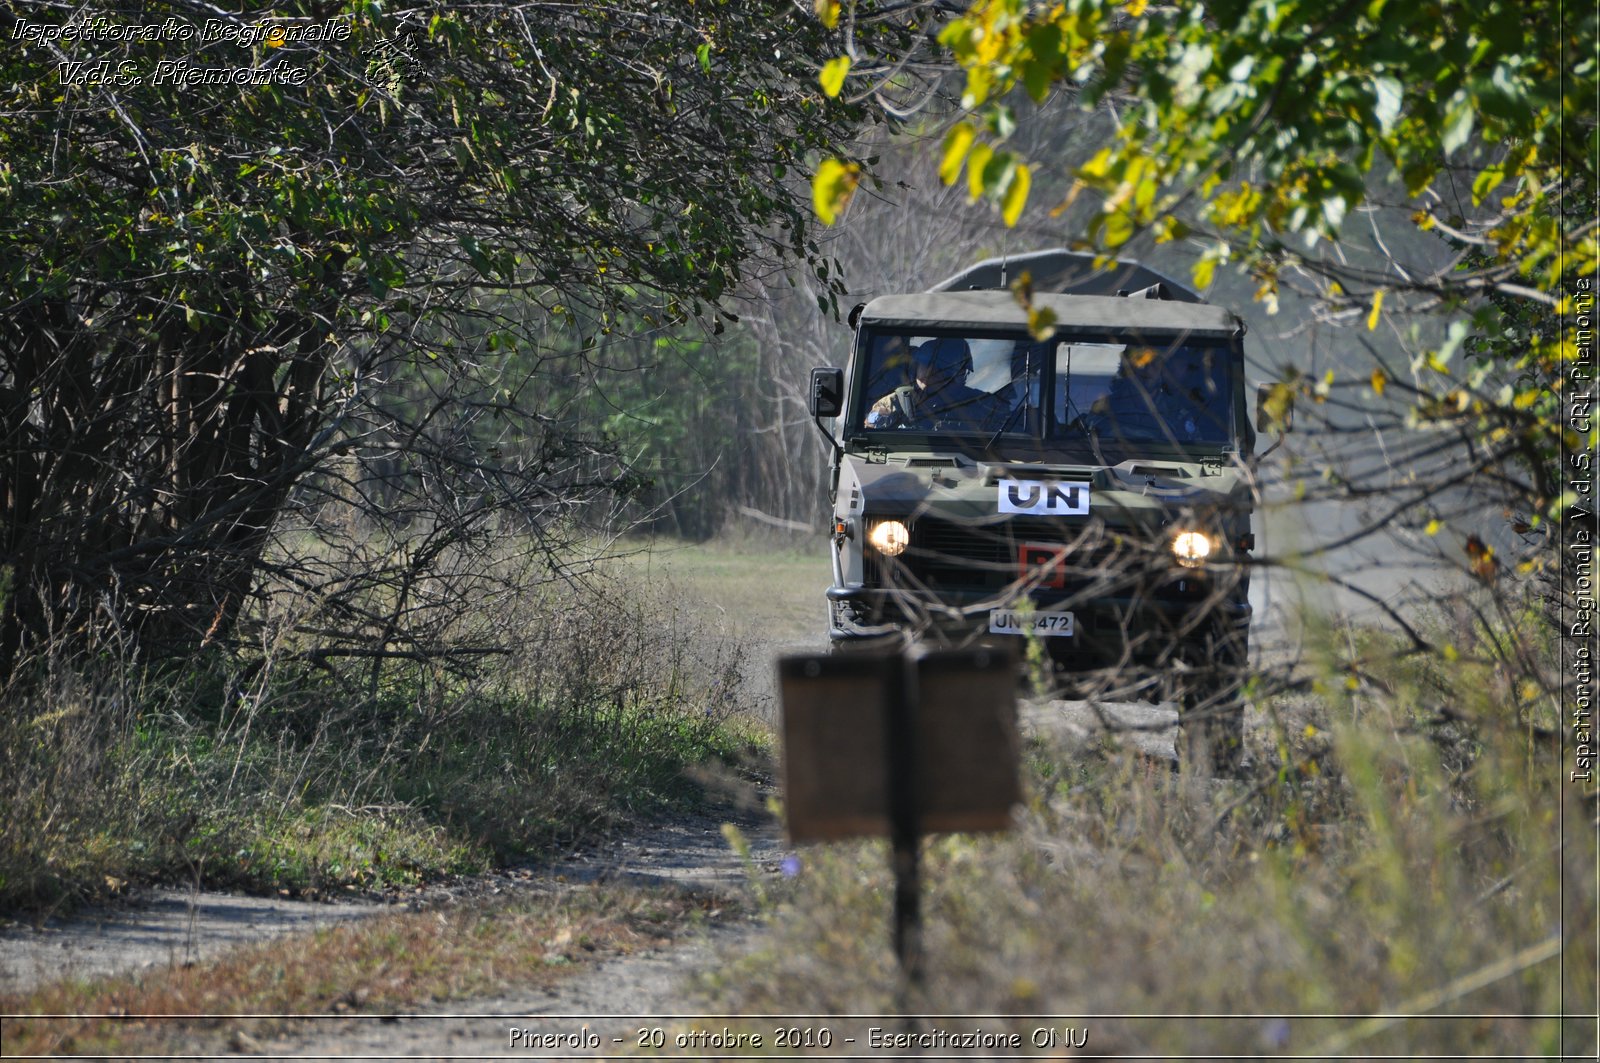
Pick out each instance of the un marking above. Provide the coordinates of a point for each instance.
(1044, 498)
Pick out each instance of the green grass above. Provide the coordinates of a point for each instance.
(750, 588)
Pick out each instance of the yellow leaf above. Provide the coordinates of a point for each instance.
(1097, 167)
(1433, 527)
(1041, 323)
(1066, 204)
(976, 161)
(1279, 407)
(1377, 309)
(1136, 8)
(828, 12)
(1204, 272)
(832, 188)
(956, 144)
(832, 76)
(1016, 196)
(1379, 380)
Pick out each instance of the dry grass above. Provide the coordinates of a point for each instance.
(392, 964)
(265, 773)
(771, 589)
(1382, 860)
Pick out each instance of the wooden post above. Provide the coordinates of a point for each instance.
(905, 828)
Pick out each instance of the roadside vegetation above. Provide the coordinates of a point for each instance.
(310, 394)
(1404, 846)
(268, 774)
(305, 426)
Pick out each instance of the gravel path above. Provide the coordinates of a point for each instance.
(155, 929)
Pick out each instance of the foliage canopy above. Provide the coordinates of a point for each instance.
(209, 288)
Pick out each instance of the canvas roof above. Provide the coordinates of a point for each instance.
(986, 310)
(1068, 272)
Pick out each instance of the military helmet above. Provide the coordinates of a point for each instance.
(948, 357)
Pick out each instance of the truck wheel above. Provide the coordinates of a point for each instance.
(1211, 704)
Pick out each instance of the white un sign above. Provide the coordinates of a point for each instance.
(1044, 498)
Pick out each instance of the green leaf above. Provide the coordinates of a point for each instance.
(1486, 182)
(1038, 71)
(1387, 97)
(832, 76)
(703, 54)
(1118, 228)
(1457, 126)
(1278, 406)
(1041, 322)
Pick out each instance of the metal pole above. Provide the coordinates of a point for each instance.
(904, 829)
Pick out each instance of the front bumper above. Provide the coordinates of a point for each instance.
(1142, 625)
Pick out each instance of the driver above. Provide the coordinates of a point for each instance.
(938, 396)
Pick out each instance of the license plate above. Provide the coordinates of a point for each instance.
(1045, 625)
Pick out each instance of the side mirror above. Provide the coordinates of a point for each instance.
(827, 392)
(1274, 407)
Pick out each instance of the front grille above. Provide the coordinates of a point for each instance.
(947, 555)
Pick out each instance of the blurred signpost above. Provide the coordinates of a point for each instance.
(899, 745)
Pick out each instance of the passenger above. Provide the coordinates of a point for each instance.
(938, 397)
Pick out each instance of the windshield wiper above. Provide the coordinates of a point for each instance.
(998, 432)
(1094, 441)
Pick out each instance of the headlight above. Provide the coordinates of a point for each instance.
(1192, 548)
(889, 537)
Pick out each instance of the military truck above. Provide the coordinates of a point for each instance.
(1077, 472)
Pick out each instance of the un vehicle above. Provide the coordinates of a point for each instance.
(1079, 471)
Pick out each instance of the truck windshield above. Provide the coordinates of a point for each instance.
(1098, 395)
(959, 384)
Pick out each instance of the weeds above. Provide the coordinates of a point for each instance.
(264, 772)
(1385, 859)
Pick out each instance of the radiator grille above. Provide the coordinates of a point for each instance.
(957, 556)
